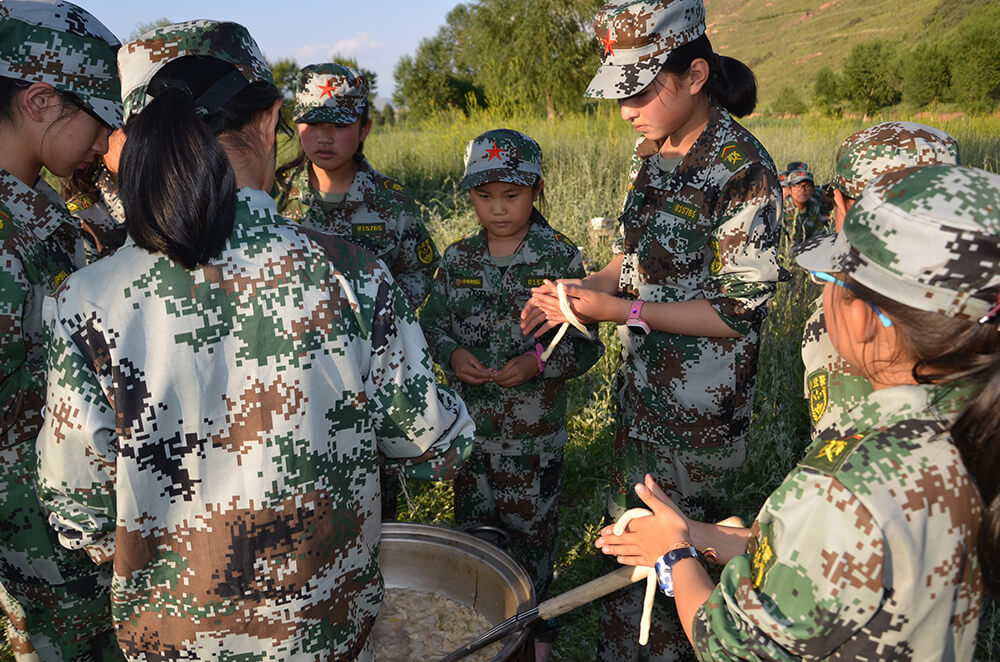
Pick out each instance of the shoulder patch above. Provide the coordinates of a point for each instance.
(732, 156)
(819, 389)
(78, 204)
(425, 251)
(828, 456)
(393, 186)
(716, 256)
(6, 224)
(763, 558)
(564, 239)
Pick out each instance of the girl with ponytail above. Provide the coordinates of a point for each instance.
(696, 264)
(223, 385)
(884, 538)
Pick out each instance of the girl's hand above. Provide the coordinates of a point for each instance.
(468, 368)
(517, 371)
(647, 538)
(539, 306)
(594, 306)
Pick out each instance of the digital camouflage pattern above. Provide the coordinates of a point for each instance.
(521, 430)
(831, 384)
(910, 234)
(706, 230)
(377, 214)
(636, 37)
(140, 60)
(886, 147)
(502, 155)
(330, 93)
(65, 46)
(56, 600)
(215, 434)
(866, 551)
(101, 218)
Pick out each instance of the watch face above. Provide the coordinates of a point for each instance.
(638, 327)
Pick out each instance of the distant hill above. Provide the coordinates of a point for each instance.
(786, 42)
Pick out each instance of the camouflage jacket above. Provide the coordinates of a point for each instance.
(866, 551)
(101, 220)
(800, 224)
(706, 230)
(37, 249)
(378, 215)
(216, 433)
(832, 385)
(477, 306)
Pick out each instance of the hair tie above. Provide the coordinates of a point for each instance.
(988, 317)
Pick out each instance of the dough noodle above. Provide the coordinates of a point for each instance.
(418, 627)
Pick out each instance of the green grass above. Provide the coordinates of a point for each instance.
(586, 160)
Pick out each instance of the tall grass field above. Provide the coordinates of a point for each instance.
(585, 166)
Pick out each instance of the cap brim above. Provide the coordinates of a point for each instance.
(620, 81)
(487, 176)
(330, 114)
(817, 253)
(109, 110)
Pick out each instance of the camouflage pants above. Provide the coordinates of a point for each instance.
(519, 494)
(692, 478)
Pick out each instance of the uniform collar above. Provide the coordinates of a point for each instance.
(38, 210)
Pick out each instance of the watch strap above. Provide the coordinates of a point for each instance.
(665, 564)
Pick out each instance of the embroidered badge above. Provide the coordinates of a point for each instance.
(828, 456)
(732, 156)
(468, 282)
(535, 281)
(763, 558)
(684, 210)
(393, 186)
(819, 383)
(6, 226)
(716, 256)
(59, 278)
(369, 228)
(425, 252)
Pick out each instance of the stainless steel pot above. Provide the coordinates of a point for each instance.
(461, 567)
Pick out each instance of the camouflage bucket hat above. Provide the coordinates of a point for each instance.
(636, 37)
(796, 176)
(65, 46)
(886, 147)
(140, 60)
(330, 93)
(927, 237)
(796, 165)
(502, 155)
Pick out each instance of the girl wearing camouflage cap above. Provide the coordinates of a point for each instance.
(695, 268)
(881, 542)
(59, 99)
(222, 385)
(516, 393)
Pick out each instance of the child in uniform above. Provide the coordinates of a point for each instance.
(330, 187)
(696, 264)
(880, 542)
(472, 324)
(59, 100)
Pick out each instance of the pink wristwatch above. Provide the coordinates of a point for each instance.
(537, 353)
(635, 321)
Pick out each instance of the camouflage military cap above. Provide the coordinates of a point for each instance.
(927, 237)
(796, 165)
(636, 37)
(783, 178)
(502, 155)
(796, 176)
(330, 93)
(65, 46)
(140, 60)
(889, 146)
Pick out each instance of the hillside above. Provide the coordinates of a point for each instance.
(786, 42)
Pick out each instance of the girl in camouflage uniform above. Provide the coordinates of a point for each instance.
(59, 99)
(695, 268)
(881, 541)
(472, 324)
(220, 388)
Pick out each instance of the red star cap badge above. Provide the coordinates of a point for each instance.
(495, 152)
(328, 89)
(609, 44)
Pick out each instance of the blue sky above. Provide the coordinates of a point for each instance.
(375, 32)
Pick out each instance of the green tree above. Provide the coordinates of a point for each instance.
(926, 75)
(788, 102)
(870, 76)
(828, 91)
(975, 60)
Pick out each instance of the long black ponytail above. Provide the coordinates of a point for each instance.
(176, 183)
(731, 83)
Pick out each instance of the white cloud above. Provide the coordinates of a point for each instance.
(359, 44)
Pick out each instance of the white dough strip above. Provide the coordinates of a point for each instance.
(647, 603)
(571, 317)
